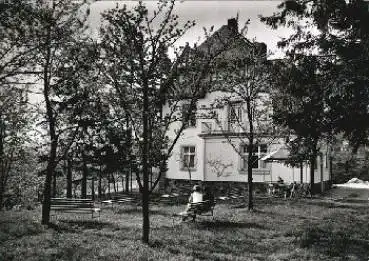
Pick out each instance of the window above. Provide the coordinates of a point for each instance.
(235, 113)
(259, 150)
(188, 120)
(188, 157)
(206, 127)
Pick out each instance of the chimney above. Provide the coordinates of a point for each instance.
(233, 25)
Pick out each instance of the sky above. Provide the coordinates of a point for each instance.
(212, 13)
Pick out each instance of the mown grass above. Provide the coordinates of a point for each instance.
(276, 230)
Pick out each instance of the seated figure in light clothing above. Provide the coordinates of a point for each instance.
(195, 197)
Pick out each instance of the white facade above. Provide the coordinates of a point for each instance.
(204, 153)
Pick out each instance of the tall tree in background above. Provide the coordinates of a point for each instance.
(134, 47)
(300, 104)
(15, 37)
(61, 60)
(14, 124)
(15, 56)
(338, 32)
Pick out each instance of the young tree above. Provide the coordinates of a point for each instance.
(63, 62)
(143, 78)
(244, 78)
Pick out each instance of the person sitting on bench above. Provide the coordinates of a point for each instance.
(195, 197)
(208, 194)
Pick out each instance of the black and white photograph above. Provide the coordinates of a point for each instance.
(184, 130)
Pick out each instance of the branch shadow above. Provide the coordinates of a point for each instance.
(75, 225)
(226, 224)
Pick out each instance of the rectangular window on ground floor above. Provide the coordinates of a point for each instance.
(188, 157)
(259, 151)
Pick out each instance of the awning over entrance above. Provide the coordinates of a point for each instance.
(280, 154)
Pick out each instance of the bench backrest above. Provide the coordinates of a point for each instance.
(64, 203)
(202, 206)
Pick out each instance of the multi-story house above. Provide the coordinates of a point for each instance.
(212, 148)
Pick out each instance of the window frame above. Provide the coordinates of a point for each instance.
(236, 107)
(261, 164)
(189, 153)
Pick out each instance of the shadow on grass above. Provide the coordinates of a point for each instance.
(135, 211)
(344, 204)
(74, 225)
(225, 224)
(334, 241)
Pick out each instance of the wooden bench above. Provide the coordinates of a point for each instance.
(121, 199)
(74, 205)
(172, 198)
(203, 208)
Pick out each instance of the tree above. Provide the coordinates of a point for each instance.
(14, 124)
(62, 62)
(15, 56)
(244, 78)
(15, 50)
(300, 104)
(137, 68)
(341, 39)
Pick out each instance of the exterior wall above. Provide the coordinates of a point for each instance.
(289, 174)
(219, 150)
(224, 162)
(190, 136)
(217, 160)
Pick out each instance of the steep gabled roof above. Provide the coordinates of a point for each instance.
(228, 43)
(225, 46)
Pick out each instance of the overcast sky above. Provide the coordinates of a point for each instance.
(209, 13)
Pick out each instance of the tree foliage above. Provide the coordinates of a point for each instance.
(336, 32)
(135, 45)
(15, 122)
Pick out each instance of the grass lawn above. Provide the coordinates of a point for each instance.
(277, 230)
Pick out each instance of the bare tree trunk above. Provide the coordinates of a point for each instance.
(109, 192)
(2, 167)
(312, 172)
(49, 174)
(54, 185)
(145, 167)
(250, 148)
(312, 165)
(93, 188)
(2, 191)
(249, 175)
(114, 183)
(69, 178)
(99, 185)
(51, 162)
(131, 182)
(84, 176)
(127, 180)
